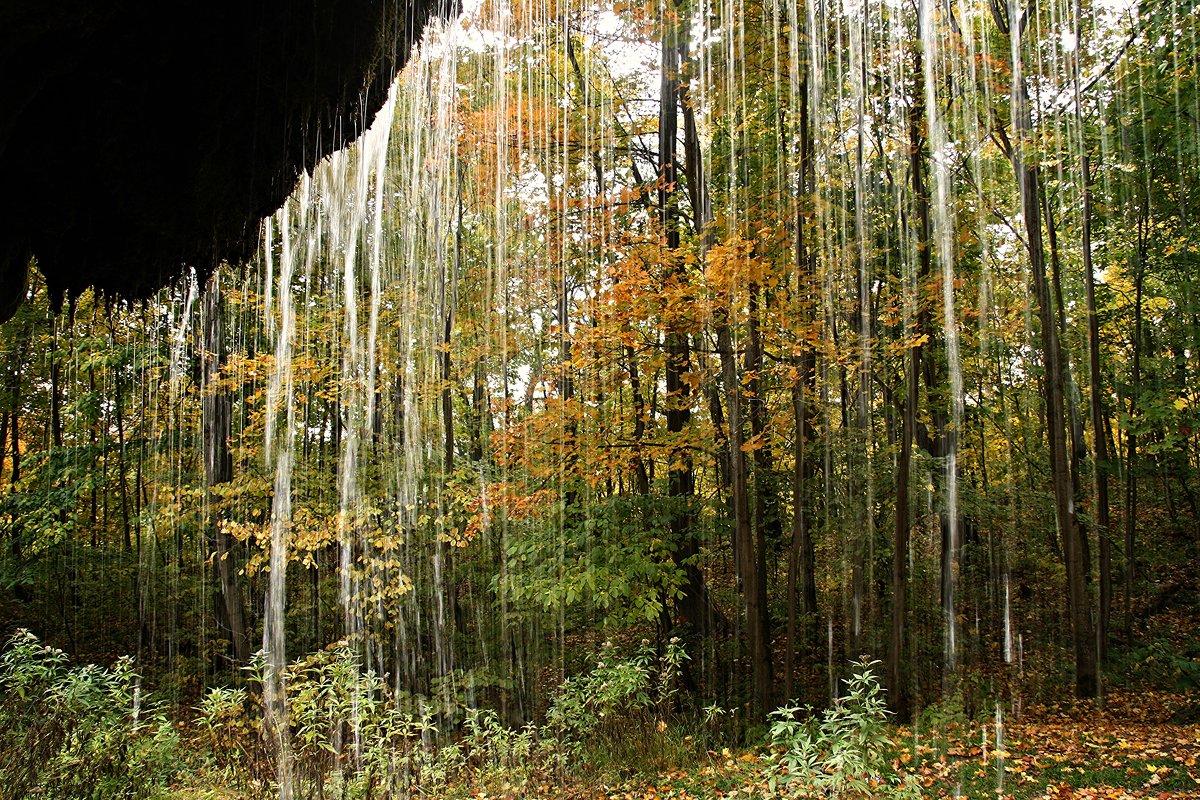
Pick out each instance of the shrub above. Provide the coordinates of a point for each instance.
(349, 734)
(71, 732)
(845, 752)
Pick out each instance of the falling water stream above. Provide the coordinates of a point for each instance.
(431, 318)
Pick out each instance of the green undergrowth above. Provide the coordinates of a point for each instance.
(616, 731)
(75, 732)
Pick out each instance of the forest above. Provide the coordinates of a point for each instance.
(667, 399)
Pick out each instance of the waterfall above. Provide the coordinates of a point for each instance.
(764, 326)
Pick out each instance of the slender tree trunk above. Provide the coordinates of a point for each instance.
(446, 396)
(478, 404)
(1078, 448)
(1029, 182)
(3, 441)
(801, 586)
(447, 610)
(122, 466)
(1099, 437)
(15, 475)
(766, 524)
(216, 414)
(15, 429)
(566, 389)
(56, 431)
(696, 607)
(14, 532)
(744, 539)
(747, 555)
(897, 679)
(766, 520)
(1131, 436)
(897, 674)
(801, 583)
(716, 410)
(95, 492)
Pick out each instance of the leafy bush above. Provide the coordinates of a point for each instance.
(74, 732)
(350, 735)
(497, 751)
(617, 687)
(615, 715)
(612, 560)
(1161, 665)
(943, 721)
(232, 736)
(845, 752)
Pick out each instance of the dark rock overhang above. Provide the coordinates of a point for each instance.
(140, 139)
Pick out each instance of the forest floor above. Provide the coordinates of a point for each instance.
(1142, 741)
(1131, 747)
(1128, 749)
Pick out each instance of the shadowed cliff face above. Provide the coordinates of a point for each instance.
(140, 139)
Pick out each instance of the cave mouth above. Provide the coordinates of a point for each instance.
(139, 143)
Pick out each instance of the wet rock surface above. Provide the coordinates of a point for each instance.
(138, 140)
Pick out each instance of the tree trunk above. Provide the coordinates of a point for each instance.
(3, 440)
(56, 430)
(1078, 448)
(1100, 464)
(897, 679)
(1131, 437)
(122, 468)
(766, 519)
(746, 558)
(447, 397)
(1029, 183)
(748, 554)
(478, 417)
(216, 413)
(801, 581)
(696, 607)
